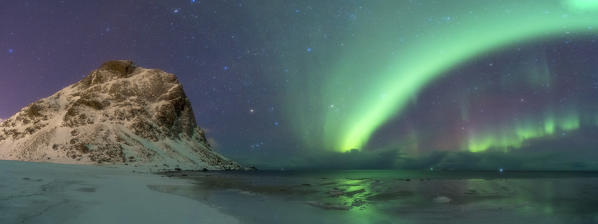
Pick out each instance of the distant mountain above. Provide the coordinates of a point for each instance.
(118, 114)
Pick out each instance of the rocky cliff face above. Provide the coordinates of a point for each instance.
(118, 114)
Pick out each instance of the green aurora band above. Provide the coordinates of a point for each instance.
(514, 135)
(366, 88)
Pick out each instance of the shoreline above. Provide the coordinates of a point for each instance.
(384, 196)
(33, 192)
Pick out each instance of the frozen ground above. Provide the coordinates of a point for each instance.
(55, 193)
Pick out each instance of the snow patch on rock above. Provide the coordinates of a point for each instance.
(118, 114)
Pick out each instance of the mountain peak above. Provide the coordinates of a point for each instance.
(119, 113)
(109, 71)
(119, 66)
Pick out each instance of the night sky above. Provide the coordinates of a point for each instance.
(344, 84)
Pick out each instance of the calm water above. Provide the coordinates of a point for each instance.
(384, 196)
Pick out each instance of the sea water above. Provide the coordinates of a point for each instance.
(391, 196)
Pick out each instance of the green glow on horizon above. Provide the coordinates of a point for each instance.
(435, 52)
(549, 126)
(513, 136)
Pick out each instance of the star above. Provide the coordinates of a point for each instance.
(176, 11)
(308, 49)
(251, 110)
(10, 51)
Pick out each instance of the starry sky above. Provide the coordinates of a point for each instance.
(483, 84)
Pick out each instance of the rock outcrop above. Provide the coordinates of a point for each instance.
(118, 114)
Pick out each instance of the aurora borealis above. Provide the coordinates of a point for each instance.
(354, 82)
(395, 80)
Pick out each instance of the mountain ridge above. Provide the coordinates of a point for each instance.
(118, 114)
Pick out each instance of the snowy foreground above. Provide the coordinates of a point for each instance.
(57, 193)
(54, 193)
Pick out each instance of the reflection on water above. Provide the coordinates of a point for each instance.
(397, 196)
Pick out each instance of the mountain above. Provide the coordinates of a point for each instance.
(118, 114)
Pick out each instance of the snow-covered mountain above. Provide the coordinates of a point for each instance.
(118, 114)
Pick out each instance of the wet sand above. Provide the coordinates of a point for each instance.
(396, 196)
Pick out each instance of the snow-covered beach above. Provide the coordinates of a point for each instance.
(58, 193)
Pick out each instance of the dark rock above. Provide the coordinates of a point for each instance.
(251, 168)
(328, 206)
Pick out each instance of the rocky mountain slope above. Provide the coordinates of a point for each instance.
(118, 114)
